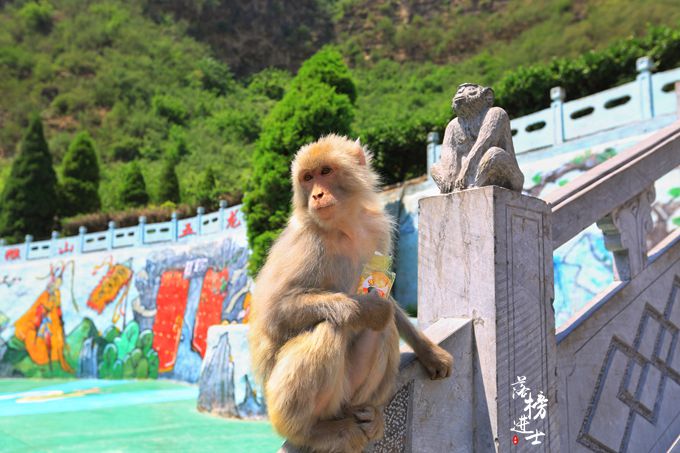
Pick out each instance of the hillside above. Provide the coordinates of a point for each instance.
(189, 78)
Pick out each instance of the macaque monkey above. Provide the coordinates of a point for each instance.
(328, 357)
(477, 149)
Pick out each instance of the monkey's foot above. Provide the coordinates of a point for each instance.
(371, 421)
(437, 362)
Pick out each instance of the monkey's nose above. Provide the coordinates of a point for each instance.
(318, 196)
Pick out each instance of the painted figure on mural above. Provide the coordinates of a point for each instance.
(477, 149)
(41, 328)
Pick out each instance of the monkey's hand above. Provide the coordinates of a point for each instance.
(375, 311)
(436, 361)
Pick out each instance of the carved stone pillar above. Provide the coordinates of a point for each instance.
(625, 234)
(486, 254)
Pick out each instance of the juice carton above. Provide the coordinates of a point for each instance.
(376, 276)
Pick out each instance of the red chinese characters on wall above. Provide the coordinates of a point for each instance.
(12, 254)
(167, 327)
(209, 307)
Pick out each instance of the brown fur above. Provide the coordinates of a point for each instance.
(326, 356)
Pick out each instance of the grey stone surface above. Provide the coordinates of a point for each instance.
(625, 234)
(477, 149)
(216, 384)
(593, 195)
(485, 254)
(619, 363)
(438, 412)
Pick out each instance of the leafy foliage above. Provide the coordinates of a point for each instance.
(318, 102)
(133, 188)
(526, 90)
(79, 190)
(169, 184)
(29, 198)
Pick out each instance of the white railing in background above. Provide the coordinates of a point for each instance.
(115, 238)
(649, 96)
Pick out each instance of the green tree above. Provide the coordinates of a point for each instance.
(169, 184)
(29, 198)
(205, 189)
(133, 188)
(319, 101)
(79, 191)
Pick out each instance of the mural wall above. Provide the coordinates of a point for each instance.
(136, 312)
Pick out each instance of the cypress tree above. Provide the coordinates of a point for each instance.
(205, 190)
(79, 191)
(29, 199)
(133, 188)
(319, 101)
(169, 184)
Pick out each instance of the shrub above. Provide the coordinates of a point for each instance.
(170, 108)
(79, 191)
(169, 184)
(133, 188)
(37, 16)
(29, 198)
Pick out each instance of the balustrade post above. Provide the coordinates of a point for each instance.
(625, 234)
(486, 254)
(174, 227)
(557, 97)
(81, 239)
(27, 246)
(141, 230)
(110, 235)
(222, 214)
(432, 155)
(2, 242)
(644, 79)
(53, 243)
(199, 219)
(677, 99)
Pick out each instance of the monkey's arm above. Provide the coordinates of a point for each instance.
(436, 360)
(488, 136)
(444, 172)
(305, 308)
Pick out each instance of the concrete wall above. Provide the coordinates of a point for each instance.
(130, 312)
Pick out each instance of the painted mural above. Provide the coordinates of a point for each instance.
(139, 312)
(583, 266)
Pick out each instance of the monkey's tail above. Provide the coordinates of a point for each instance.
(308, 381)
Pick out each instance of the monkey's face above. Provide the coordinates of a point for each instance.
(471, 97)
(331, 179)
(321, 187)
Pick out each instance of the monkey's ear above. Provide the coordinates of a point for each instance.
(359, 153)
(489, 95)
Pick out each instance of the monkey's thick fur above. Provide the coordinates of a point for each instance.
(326, 356)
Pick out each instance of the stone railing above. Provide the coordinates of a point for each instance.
(618, 358)
(611, 377)
(649, 97)
(114, 238)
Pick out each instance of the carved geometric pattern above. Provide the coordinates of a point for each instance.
(396, 423)
(649, 367)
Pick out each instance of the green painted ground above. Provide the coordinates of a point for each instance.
(126, 416)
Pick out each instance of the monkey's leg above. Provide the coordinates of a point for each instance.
(499, 167)
(307, 389)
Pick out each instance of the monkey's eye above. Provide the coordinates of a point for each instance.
(307, 177)
(326, 170)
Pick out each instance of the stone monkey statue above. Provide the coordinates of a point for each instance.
(477, 149)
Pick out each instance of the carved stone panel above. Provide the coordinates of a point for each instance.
(619, 364)
(625, 234)
(647, 374)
